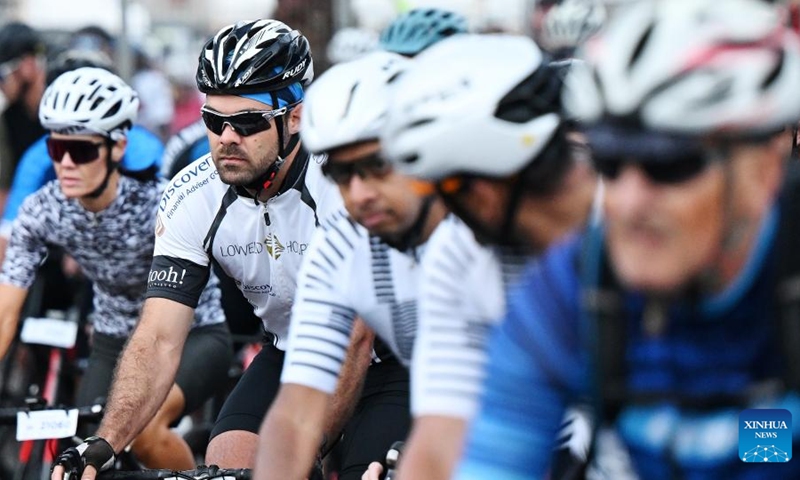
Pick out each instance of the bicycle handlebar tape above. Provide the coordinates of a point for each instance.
(94, 451)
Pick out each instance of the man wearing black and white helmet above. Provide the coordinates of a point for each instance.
(250, 206)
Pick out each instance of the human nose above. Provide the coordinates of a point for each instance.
(632, 190)
(359, 190)
(229, 135)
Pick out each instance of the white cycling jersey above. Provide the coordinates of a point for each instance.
(258, 244)
(462, 294)
(348, 274)
(114, 248)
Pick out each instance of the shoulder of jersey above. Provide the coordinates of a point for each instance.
(342, 231)
(199, 178)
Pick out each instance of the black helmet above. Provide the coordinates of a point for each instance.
(254, 56)
(18, 39)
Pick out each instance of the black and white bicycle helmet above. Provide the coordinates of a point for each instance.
(89, 100)
(348, 103)
(253, 57)
(691, 68)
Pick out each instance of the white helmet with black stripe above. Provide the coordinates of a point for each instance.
(484, 105)
(691, 67)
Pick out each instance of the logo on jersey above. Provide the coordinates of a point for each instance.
(252, 248)
(765, 435)
(170, 278)
(260, 289)
(274, 246)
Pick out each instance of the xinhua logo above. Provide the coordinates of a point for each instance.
(765, 435)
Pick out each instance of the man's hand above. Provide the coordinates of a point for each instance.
(84, 461)
(373, 472)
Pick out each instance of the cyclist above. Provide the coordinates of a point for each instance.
(105, 219)
(142, 154)
(666, 314)
(251, 206)
(534, 193)
(362, 262)
(418, 29)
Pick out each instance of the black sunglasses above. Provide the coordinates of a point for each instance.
(243, 123)
(665, 171)
(80, 151)
(373, 166)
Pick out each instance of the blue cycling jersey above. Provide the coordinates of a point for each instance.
(36, 169)
(540, 363)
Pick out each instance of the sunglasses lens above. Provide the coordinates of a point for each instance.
(244, 123)
(80, 151)
(340, 173)
(666, 171)
(676, 171)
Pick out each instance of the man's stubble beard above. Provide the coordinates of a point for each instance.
(243, 175)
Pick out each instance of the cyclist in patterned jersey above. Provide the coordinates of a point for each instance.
(674, 313)
(142, 153)
(105, 220)
(251, 206)
(362, 262)
(532, 194)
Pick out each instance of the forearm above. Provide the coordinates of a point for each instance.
(11, 301)
(291, 433)
(137, 391)
(351, 380)
(8, 330)
(146, 371)
(433, 448)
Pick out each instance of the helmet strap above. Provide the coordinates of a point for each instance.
(111, 166)
(265, 180)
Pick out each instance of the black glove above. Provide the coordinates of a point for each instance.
(94, 451)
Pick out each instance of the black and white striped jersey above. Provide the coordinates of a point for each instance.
(260, 245)
(114, 247)
(348, 274)
(462, 294)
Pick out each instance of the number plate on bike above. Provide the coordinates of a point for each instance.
(49, 331)
(46, 424)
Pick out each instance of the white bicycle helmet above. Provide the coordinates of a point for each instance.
(89, 100)
(484, 105)
(691, 67)
(348, 103)
(348, 44)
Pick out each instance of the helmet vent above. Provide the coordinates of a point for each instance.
(637, 52)
(113, 110)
